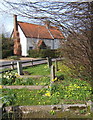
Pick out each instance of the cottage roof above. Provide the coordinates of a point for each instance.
(39, 31)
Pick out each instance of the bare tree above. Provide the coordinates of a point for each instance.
(75, 20)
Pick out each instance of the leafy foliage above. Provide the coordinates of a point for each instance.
(10, 98)
(43, 53)
(14, 57)
(7, 47)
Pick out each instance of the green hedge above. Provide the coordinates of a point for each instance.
(6, 53)
(43, 53)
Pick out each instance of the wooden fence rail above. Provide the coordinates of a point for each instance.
(22, 62)
(13, 65)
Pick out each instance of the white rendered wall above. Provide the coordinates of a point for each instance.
(31, 42)
(48, 43)
(56, 44)
(23, 42)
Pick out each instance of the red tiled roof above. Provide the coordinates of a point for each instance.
(38, 31)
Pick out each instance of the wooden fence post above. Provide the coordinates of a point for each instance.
(56, 66)
(19, 68)
(52, 75)
(49, 61)
(32, 62)
(12, 65)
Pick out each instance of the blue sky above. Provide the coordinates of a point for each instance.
(6, 19)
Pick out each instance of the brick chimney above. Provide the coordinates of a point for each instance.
(15, 23)
(17, 45)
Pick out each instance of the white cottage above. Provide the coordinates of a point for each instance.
(29, 36)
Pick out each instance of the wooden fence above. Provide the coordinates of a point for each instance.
(13, 65)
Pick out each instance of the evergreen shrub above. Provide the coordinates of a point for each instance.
(43, 53)
(6, 53)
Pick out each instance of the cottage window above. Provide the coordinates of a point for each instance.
(30, 48)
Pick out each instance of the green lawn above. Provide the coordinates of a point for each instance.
(38, 70)
(32, 81)
(12, 78)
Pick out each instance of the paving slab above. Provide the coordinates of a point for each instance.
(31, 87)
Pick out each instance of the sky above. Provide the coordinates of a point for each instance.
(6, 19)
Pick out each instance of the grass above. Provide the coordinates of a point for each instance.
(39, 97)
(60, 92)
(66, 90)
(32, 81)
(12, 78)
(38, 70)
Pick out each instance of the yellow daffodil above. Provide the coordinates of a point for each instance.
(48, 93)
(0, 86)
(54, 79)
(49, 86)
(36, 83)
(78, 86)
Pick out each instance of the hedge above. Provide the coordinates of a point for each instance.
(43, 53)
(6, 53)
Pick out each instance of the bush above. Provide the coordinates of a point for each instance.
(7, 46)
(14, 57)
(43, 53)
(6, 53)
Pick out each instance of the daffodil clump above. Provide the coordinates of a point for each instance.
(9, 77)
(77, 91)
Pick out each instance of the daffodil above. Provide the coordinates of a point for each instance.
(54, 79)
(48, 93)
(0, 86)
(49, 86)
(78, 86)
(36, 83)
(39, 103)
